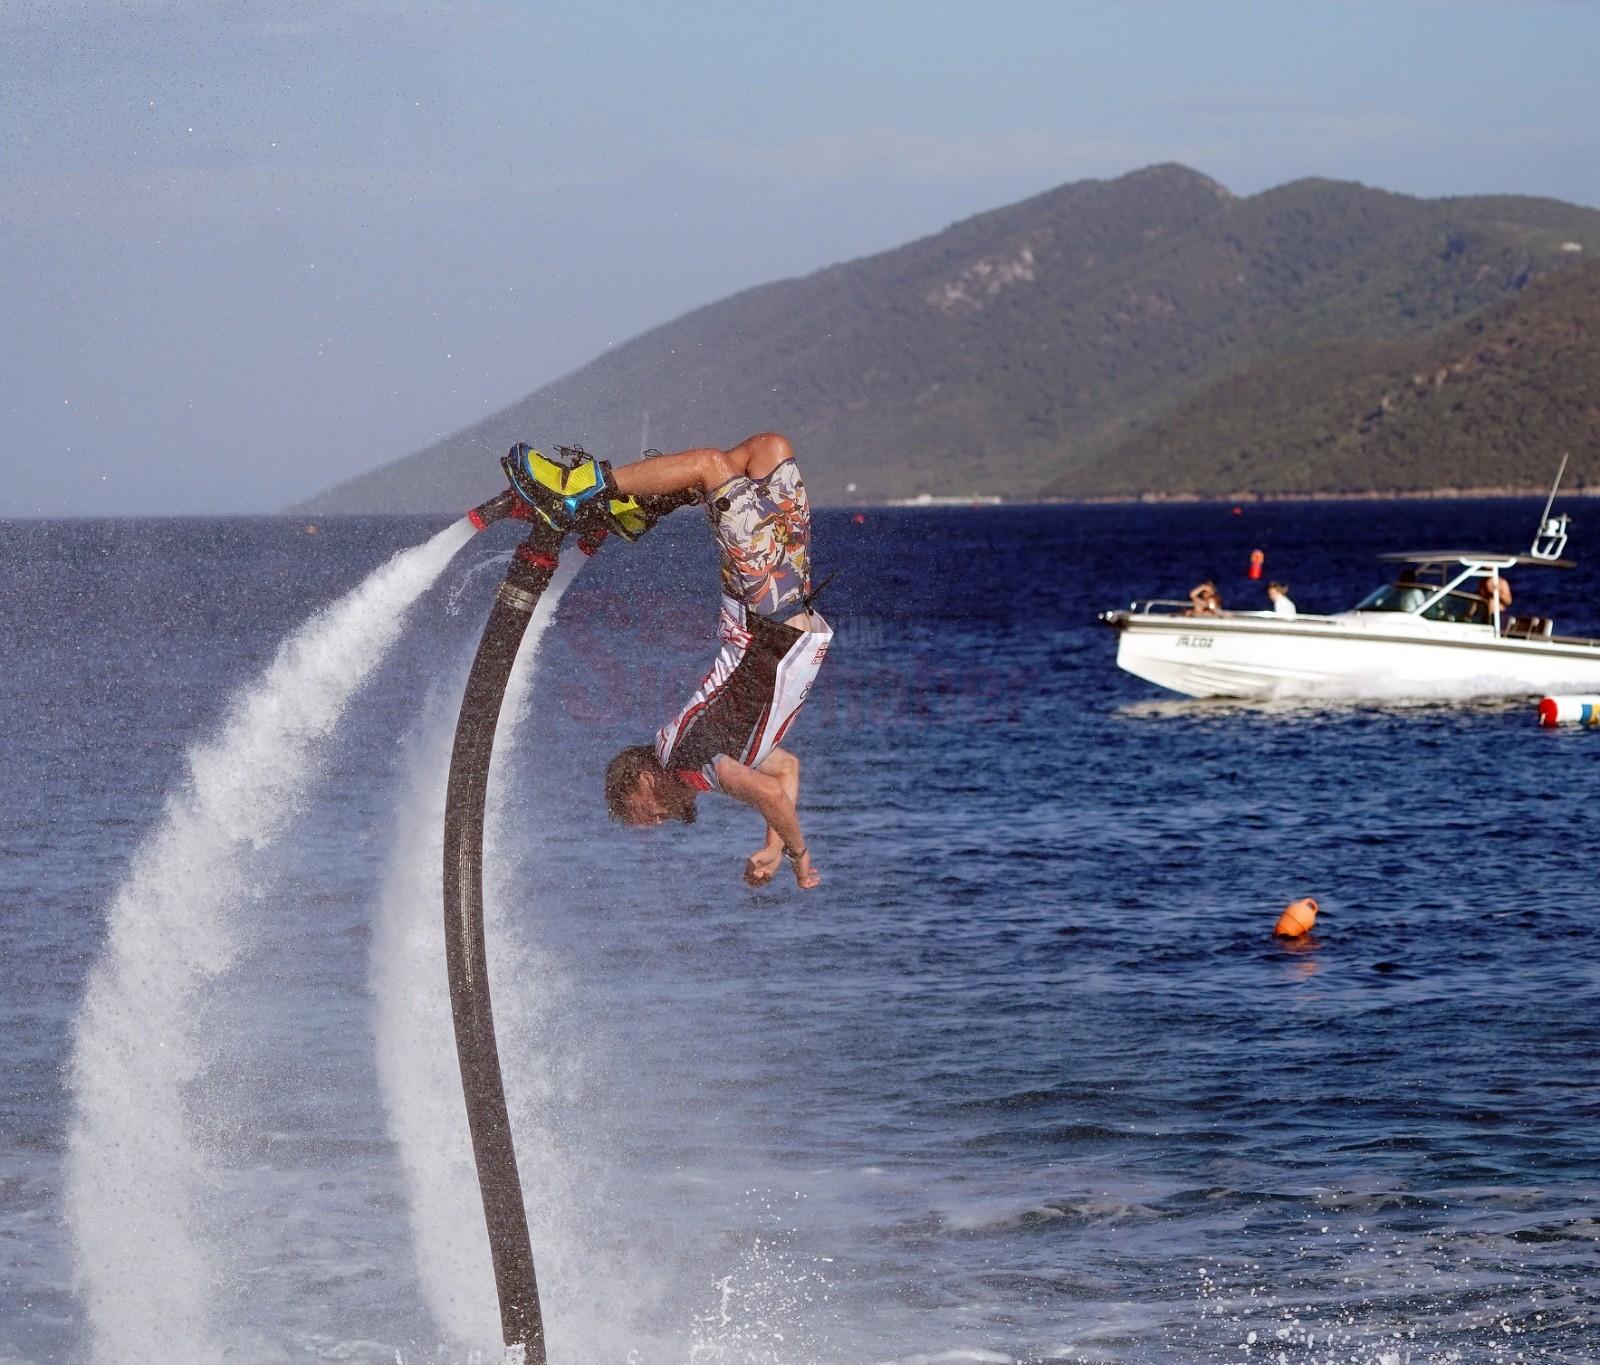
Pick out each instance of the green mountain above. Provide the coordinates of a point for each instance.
(1024, 349)
(1490, 403)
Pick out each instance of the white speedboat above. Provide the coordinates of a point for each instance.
(1436, 630)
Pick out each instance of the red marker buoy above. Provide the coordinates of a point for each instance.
(1257, 559)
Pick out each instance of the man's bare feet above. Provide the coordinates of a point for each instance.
(761, 866)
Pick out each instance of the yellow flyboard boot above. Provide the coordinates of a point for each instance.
(576, 492)
(628, 516)
(559, 493)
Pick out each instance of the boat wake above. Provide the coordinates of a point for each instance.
(1302, 705)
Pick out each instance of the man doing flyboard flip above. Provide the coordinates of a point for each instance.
(772, 641)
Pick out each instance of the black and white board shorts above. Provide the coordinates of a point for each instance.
(761, 678)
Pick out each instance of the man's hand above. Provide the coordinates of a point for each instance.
(806, 876)
(772, 793)
(762, 865)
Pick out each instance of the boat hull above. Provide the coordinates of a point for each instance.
(1357, 655)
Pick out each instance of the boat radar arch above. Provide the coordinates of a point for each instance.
(1476, 559)
(1551, 537)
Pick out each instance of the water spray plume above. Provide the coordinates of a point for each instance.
(136, 1172)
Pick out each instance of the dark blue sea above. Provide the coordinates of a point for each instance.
(1027, 1079)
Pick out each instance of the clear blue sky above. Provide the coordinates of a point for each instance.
(249, 249)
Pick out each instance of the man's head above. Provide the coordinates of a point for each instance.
(639, 791)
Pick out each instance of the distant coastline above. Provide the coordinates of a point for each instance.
(986, 502)
(1236, 499)
(1370, 495)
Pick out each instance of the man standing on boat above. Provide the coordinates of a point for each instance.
(1496, 595)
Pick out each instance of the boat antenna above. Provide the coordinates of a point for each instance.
(1551, 537)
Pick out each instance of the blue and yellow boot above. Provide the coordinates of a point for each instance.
(560, 493)
(577, 493)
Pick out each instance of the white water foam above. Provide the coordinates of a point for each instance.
(607, 1296)
(136, 1174)
(417, 1066)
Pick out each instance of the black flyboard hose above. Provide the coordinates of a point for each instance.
(532, 567)
(493, 1149)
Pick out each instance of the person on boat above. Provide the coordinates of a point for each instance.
(1495, 592)
(1411, 595)
(1282, 604)
(1204, 599)
(772, 644)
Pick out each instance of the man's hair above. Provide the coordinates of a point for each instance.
(623, 774)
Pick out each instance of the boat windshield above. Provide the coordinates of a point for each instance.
(1459, 606)
(1395, 597)
(1410, 595)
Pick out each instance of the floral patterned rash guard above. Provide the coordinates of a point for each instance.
(764, 529)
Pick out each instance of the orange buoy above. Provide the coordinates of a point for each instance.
(1296, 919)
(1257, 559)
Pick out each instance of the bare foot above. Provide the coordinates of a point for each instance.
(761, 865)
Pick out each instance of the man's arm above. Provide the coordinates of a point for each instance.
(658, 474)
(784, 766)
(704, 468)
(770, 794)
(766, 860)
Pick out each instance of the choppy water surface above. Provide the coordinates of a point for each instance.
(1027, 1080)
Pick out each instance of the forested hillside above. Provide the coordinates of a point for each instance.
(1055, 346)
(1491, 402)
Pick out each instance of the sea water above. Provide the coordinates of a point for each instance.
(1026, 1080)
